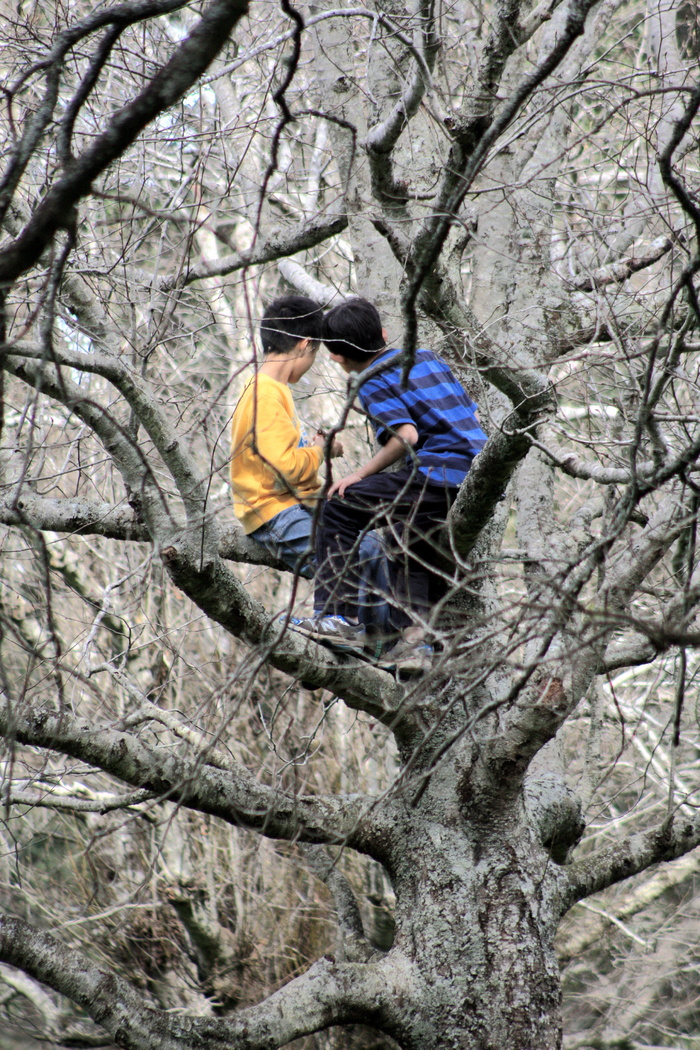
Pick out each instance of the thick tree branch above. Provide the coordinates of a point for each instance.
(483, 488)
(628, 652)
(236, 797)
(327, 994)
(75, 516)
(84, 517)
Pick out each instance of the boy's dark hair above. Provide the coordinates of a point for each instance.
(287, 320)
(353, 329)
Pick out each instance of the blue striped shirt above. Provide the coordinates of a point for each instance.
(449, 435)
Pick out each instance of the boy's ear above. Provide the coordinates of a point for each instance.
(345, 363)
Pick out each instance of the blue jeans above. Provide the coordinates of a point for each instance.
(288, 537)
(415, 509)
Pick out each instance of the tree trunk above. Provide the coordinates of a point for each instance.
(477, 906)
(481, 942)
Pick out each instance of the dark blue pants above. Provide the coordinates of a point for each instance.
(412, 510)
(288, 537)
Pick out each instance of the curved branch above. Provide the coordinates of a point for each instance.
(629, 652)
(327, 994)
(585, 935)
(234, 796)
(628, 857)
(382, 138)
(273, 248)
(120, 14)
(183, 468)
(35, 994)
(617, 272)
(355, 945)
(295, 274)
(576, 467)
(128, 457)
(473, 138)
(668, 175)
(531, 722)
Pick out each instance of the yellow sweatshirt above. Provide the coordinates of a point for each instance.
(270, 469)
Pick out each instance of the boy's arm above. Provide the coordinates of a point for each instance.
(276, 441)
(395, 448)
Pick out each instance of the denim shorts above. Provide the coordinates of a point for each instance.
(288, 537)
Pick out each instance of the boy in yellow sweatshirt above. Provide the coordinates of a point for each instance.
(274, 472)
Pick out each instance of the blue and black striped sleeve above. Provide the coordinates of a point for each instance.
(387, 410)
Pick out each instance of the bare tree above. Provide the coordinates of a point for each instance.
(514, 182)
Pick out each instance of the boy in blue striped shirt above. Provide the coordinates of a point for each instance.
(431, 424)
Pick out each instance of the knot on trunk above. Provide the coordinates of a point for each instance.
(554, 811)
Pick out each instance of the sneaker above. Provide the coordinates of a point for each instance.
(334, 631)
(411, 655)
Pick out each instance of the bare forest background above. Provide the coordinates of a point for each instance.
(571, 246)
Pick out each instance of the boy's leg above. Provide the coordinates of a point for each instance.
(412, 537)
(375, 612)
(288, 537)
(412, 509)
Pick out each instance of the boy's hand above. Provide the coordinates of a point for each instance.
(338, 487)
(336, 447)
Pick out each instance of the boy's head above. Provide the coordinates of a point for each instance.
(352, 331)
(288, 321)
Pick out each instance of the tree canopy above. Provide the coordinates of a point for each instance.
(213, 829)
